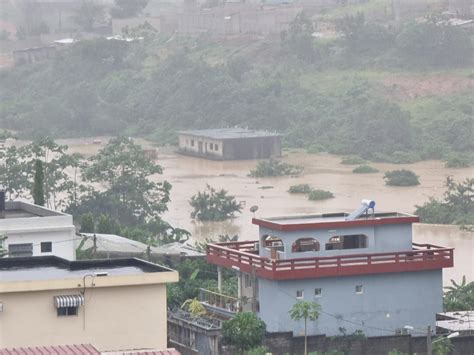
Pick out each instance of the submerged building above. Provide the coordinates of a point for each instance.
(230, 144)
(362, 268)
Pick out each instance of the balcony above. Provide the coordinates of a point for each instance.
(218, 302)
(243, 255)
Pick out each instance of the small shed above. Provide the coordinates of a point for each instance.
(230, 144)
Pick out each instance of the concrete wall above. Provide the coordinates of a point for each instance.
(113, 318)
(58, 229)
(388, 302)
(185, 146)
(380, 239)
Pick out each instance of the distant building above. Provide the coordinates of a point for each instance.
(362, 268)
(116, 304)
(34, 230)
(230, 144)
(33, 55)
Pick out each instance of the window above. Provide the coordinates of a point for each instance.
(299, 294)
(192, 142)
(216, 147)
(352, 241)
(19, 250)
(46, 247)
(318, 292)
(305, 244)
(67, 311)
(359, 289)
(248, 281)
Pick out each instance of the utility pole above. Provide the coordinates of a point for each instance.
(429, 347)
(94, 246)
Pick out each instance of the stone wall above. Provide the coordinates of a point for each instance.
(286, 344)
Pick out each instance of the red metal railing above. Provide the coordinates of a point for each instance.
(242, 255)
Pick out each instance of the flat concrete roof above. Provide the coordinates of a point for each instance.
(332, 220)
(53, 268)
(20, 209)
(229, 133)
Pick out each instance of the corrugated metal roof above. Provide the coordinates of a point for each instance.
(229, 133)
(84, 349)
(170, 351)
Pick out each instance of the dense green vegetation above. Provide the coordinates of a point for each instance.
(323, 94)
(213, 205)
(457, 206)
(275, 167)
(316, 195)
(300, 189)
(401, 177)
(459, 297)
(365, 169)
(245, 331)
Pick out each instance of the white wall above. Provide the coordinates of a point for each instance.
(56, 229)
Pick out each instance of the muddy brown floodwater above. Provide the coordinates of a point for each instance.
(322, 171)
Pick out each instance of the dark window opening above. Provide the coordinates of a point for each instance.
(192, 142)
(20, 250)
(67, 311)
(352, 241)
(46, 247)
(305, 244)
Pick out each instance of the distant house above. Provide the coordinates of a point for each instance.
(230, 144)
(33, 55)
(116, 304)
(36, 231)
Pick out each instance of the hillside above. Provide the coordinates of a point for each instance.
(384, 93)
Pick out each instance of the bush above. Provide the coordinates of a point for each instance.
(401, 178)
(352, 160)
(316, 195)
(245, 331)
(259, 350)
(364, 169)
(458, 161)
(300, 189)
(274, 167)
(213, 205)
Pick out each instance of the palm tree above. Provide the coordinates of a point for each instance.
(195, 307)
(459, 297)
(305, 310)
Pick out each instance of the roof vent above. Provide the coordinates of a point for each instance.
(365, 206)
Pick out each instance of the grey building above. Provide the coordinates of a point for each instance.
(362, 268)
(230, 144)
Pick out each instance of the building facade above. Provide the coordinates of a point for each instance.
(115, 304)
(230, 144)
(362, 268)
(36, 231)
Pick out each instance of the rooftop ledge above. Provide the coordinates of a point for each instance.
(243, 256)
(333, 220)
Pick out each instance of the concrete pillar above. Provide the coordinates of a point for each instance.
(239, 285)
(219, 279)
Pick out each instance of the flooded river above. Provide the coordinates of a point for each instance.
(322, 171)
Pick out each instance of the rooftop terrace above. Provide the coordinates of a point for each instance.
(229, 133)
(332, 220)
(19, 209)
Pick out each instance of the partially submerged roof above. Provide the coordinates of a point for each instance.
(333, 220)
(52, 350)
(229, 133)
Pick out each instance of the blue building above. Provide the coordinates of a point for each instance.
(362, 268)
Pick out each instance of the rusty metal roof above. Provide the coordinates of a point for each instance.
(85, 349)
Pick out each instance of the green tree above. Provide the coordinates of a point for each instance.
(127, 8)
(401, 177)
(298, 39)
(89, 14)
(213, 205)
(38, 184)
(87, 223)
(14, 172)
(124, 174)
(107, 225)
(305, 310)
(194, 306)
(245, 331)
(459, 297)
